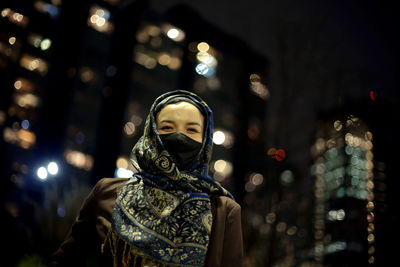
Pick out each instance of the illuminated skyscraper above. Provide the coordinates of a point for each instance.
(353, 168)
(27, 56)
(344, 198)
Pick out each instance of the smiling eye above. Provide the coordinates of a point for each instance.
(166, 128)
(193, 130)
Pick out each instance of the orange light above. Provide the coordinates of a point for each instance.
(271, 152)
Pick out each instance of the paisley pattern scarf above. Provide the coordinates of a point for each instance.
(162, 215)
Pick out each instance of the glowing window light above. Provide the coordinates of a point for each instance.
(142, 36)
(202, 69)
(45, 44)
(336, 215)
(129, 128)
(27, 100)
(249, 187)
(26, 138)
(207, 59)
(78, 159)
(338, 125)
(260, 90)
(203, 47)
(287, 177)
(145, 60)
(52, 168)
(34, 64)
(223, 169)
(34, 39)
(175, 63)
(15, 17)
(87, 75)
(47, 8)
(61, 211)
(218, 137)
(173, 32)
(256, 178)
(10, 136)
(164, 59)
(17, 84)
(23, 85)
(136, 119)
(5, 12)
(334, 247)
(42, 173)
(222, 166)
(122, 162)
(98, 19)
(11, 40)
(123, 173)
(223, 137)
(153, 30)
(25, 124)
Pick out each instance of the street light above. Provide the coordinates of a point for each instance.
(51, 169)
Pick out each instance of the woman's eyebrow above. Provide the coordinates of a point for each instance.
(168, 121)
(193, 123)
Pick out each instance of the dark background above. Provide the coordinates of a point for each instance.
(318, 62)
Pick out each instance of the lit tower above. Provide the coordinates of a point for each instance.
(344, 225)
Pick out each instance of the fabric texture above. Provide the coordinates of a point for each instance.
(82, 245)
(163, 213)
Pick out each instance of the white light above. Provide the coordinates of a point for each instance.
(207, 59)
(220, 165)
(45, 44)
(219, 137)
(42, 173)
(123, 173)
(52, 168)
(202, 69)
(173, 33)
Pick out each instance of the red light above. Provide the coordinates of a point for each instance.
(280, 155)
(372, 95)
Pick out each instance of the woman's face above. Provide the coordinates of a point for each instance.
(181, 117)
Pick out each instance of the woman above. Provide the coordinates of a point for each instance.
(170, 213)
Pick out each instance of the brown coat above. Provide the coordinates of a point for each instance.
(91, 226)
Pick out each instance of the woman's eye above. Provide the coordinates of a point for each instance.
(166, 128)
(193, 130)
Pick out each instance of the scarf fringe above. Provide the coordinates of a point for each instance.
(130, 256)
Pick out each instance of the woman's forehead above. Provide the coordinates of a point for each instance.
(180, 109)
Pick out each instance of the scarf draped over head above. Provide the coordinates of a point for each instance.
(162, 215)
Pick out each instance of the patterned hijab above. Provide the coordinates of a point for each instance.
(162, 215)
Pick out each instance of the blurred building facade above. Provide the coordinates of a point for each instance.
(78, 81)
(353, 168)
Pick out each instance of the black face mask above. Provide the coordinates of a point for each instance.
(183, 148)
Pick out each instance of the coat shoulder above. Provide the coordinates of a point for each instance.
(225, 202)
(107, 186)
